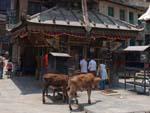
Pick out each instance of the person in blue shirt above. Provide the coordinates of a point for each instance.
(103, 75)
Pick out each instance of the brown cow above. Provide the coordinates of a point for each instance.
(80, 82)
(55, 80)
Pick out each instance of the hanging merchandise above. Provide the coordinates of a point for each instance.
(57, 41)
(60, 34)
(108, 37)
(23, 34)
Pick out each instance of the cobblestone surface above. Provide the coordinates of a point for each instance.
(23, 95)
(123, 102)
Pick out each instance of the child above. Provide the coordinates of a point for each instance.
(9, 68)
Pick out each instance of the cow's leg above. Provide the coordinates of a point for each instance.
(43, 95)
(76, 100)
(64, 95)
(89, 96)
(67, 97)
(44, 90)
(54, 93)
(70, 99)
(70, 95)
(75, 95)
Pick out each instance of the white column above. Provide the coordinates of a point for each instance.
(127, 15)
(128, 42)
(15, 52)
(13, 4)
(136, 18)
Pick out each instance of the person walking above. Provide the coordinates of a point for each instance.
(83, 65)
(1, 67)
(92, 66)
(103, 75)
(9, 69)
(45, 63)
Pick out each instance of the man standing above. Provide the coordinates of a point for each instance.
(83, 65)
(92, 66)
(103, 75)
(44, 66)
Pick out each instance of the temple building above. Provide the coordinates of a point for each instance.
(74, 27)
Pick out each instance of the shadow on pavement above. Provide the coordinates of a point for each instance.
(57, 100)
(83, 105)
(28, 84)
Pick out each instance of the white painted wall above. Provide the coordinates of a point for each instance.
(103, 8)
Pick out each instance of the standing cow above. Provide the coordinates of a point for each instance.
(80, 82)
(58, 81)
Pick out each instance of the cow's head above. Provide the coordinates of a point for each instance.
(96, 82)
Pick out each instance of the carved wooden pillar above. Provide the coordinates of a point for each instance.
(85, 15)
(23, 8)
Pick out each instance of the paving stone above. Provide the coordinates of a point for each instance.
(132, 103)
(23, 95)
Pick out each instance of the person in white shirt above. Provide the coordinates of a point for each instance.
(83, 66)
(103, 75)
(92, 66)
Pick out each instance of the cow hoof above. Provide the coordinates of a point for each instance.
(77, 102)
(43, 101)
(70, 108)
(89, 102)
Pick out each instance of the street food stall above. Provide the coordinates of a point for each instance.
(58, 62)
(137, 66)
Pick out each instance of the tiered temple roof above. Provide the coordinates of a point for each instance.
(73, 17)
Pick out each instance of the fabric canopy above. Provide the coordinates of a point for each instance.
(146, 15)
(59, 54)
(136, 48)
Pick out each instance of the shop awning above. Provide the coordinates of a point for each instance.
(60, 54)
(146, 15)
(137, 48)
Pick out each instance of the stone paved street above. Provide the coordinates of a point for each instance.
(23, 95)
(124, 101)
